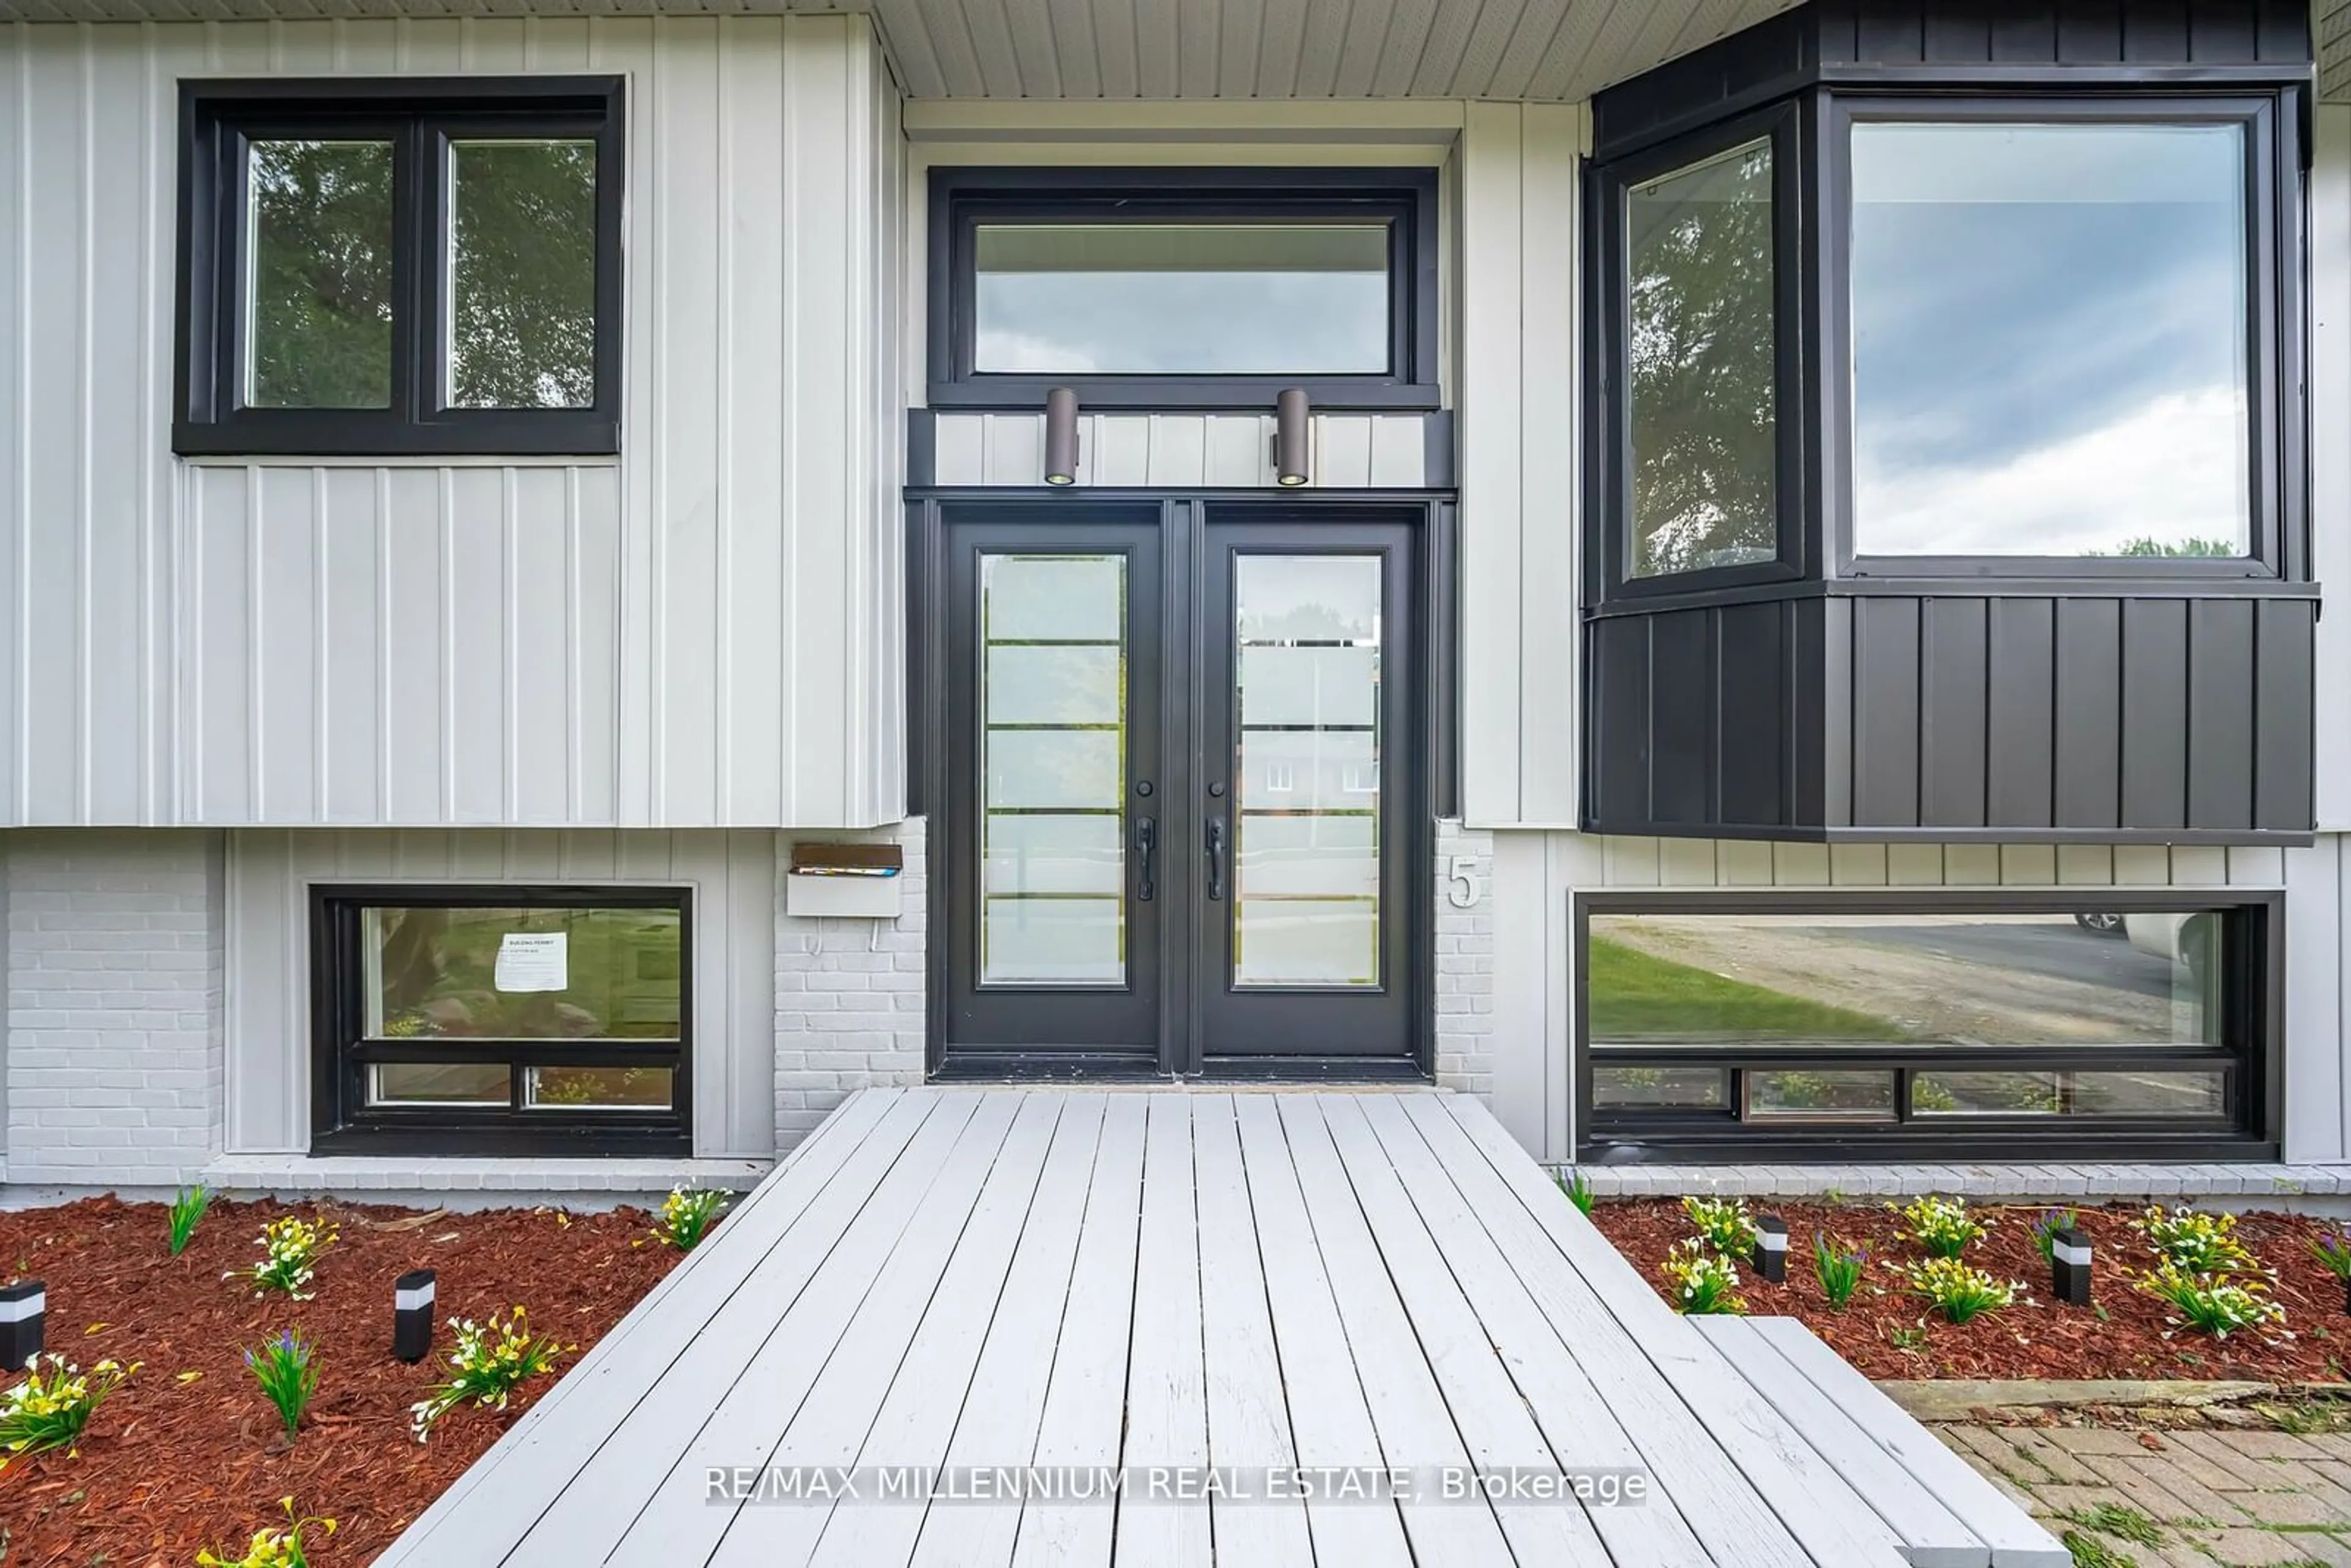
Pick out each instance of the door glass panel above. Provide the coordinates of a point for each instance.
(1306, 848)
(1053, 761)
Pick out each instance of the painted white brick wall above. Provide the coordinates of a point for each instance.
(115, 985)
(1465, 961)
(849, 994)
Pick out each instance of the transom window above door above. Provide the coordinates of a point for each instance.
(399, 266)
(1170, 288)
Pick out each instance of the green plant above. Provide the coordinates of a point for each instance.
(1703, 1282)
(1724, 1224)
(1838, 1269)
(2089, 1551)
(2046, 1229)
(287, 1368)
(492, 1360)
(53, 1405)
(2122, 1523)
(1911, 1337)
(1959, 1291)
(687, 1217)
(187, 1210)
(2215, 1304)
(2195, 1242)
(1578, 1188)
(273, 1548)
(1942, 1225)
(290, 1250)
(2332, 1247)
(1925, 1094)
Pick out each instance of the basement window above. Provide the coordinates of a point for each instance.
(1815, 1028)
(502, 1019)
(380, 267)
(1172, 288)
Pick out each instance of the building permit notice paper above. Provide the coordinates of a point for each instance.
(534, 961)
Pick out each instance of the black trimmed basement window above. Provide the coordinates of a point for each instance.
(1183, 287)
(1971, 1025)
(386, 266)
(502, 1019)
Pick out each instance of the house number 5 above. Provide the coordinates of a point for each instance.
(1461, 882)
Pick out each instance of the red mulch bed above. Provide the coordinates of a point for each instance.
(171, 1466)
(2125, 1334)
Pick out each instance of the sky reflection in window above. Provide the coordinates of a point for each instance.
(2049, 339)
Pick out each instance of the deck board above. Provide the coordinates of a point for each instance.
(947, 1280)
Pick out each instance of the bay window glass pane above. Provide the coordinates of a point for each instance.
(2049, 351)
(1189, 298)
(1908, 978)
(1703, 392)
(318, 285)
(462, 973)
(522, 274)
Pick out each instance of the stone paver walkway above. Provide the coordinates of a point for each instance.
(2172, 1499)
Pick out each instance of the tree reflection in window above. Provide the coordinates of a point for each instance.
(1703, 392)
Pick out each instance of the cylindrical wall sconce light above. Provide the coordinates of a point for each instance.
(1060, 436)
(1290, 419)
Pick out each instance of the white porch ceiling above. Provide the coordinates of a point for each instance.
(1539, 50)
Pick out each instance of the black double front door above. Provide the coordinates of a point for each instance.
(1181, 785)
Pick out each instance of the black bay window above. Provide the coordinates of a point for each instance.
(376, 267)
(503, 1019)
(2124, 1024)
(1948, 386)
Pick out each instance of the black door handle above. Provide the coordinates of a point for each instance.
(1216, 859)
(1146, 840)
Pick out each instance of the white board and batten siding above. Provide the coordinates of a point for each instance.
(1184, 451)
(705, 631)
(267, 1021)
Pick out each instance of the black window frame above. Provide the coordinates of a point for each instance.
(2268, 360)
(1609, 373)
(2251, 1049)
(343, 1122)
(1812, 188)
(419, 116)
(1405, 198)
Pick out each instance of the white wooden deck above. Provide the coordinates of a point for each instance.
(951, 1279)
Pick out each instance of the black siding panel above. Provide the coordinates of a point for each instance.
(1955, 678)
(1751, 665)
(1885, 713)
(1890, 35)
(2223, 31)
(2088, 752)
(1681, 707)
(1766, 61)
(2022, 680)
(1808, 698)
(1619, 721)
(2220, 713)
(2282, 30)
(2283, 716)
(2024, 32)
(1959, 31)
(2155, 713)
(2089, 32)
(2155, 32)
